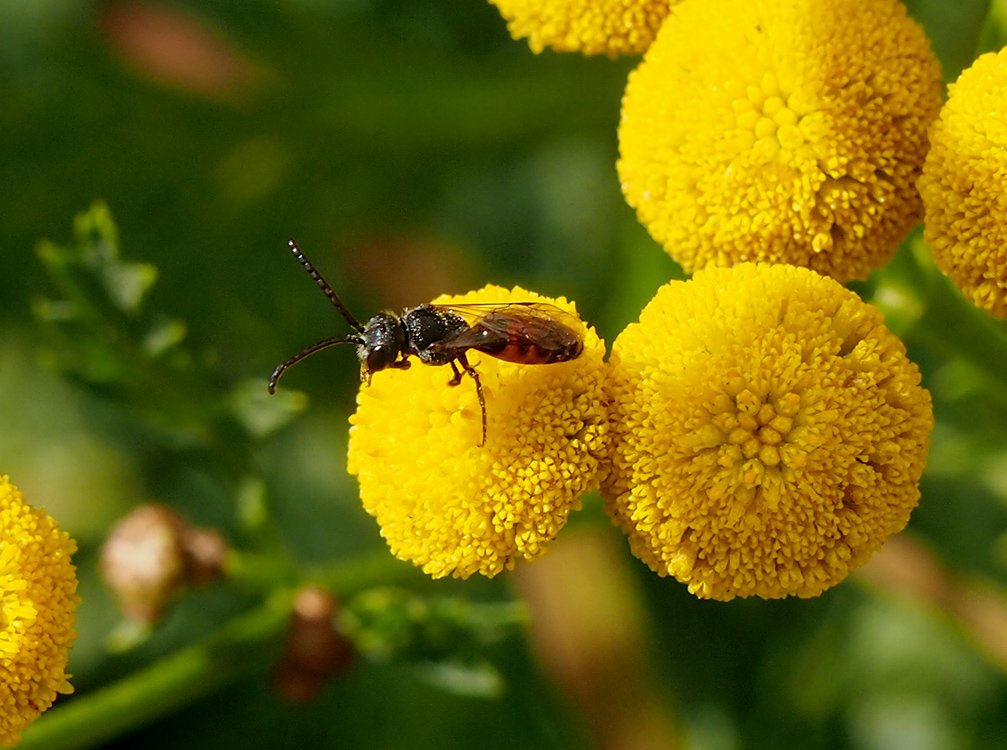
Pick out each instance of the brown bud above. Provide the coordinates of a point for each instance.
(152, 554)
(314, 650)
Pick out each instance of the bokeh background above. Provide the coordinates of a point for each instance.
(412, 148)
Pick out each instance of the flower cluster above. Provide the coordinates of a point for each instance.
(457, 508)
(610, 27)
(781, 131)
(758, 432)
(38, 597)
(768, 432)
(963, 184)
(762, 130)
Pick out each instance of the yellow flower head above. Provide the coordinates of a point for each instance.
(38, 595)
(610, 27)
(768, 432)
(963, 184)
(780, 130)
(452, 506)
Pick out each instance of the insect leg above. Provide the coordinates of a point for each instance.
(479, 388)
(458, 376)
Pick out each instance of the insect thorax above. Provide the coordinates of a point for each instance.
(427, 325)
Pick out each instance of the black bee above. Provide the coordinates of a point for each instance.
(529, 333)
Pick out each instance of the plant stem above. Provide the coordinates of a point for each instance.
(924, 307)
(246, 645)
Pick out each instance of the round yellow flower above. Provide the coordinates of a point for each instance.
(768, 432)
(780, 130)
(610, 27)
(38, 596)
(452, 506)
(963, 184)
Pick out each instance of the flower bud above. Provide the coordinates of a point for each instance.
(153, 554)
(314, 650)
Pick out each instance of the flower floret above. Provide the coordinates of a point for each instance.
(38, 597)
(963, 184)
(780, 131)
(768, 432)
(610, 27)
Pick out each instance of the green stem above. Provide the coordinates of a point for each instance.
(263, 572)
(374, 568)
(246, 645)
(995, 33)
(953, 326)
(923, 307)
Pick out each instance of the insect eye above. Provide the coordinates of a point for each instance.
(383, 341)
(381, 356)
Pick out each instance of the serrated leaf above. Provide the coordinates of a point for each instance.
(128, 283)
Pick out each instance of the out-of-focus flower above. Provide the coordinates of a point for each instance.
(769, 432)
(153, 554)
(452, 506)
(38, 597)
(610, 27)
(176, 48)
(789, 131)
(963, 184)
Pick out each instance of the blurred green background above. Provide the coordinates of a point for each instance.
(412, 148)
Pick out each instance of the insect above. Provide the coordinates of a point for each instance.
(528, 333)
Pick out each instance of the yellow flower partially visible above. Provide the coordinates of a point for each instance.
(964, 184)
(38, 596)
(768, 432)
(454, 507)
(788, 131)
(593, 27)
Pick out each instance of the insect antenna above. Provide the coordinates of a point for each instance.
(324, 286)
(316, 347)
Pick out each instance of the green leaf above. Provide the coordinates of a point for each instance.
(954, 28)
(391, 624)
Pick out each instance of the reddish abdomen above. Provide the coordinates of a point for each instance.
(523, 351)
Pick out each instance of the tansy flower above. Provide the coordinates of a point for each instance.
(780, 130)
(38, 595)
(963, 184)
(768, 432)
(452, 506)
(611, 27)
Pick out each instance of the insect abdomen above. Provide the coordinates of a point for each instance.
(523, 351)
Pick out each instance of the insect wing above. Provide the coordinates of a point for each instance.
(496, 326)
(533, 315)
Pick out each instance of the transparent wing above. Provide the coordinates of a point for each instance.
(530, 314)
(495, 324)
